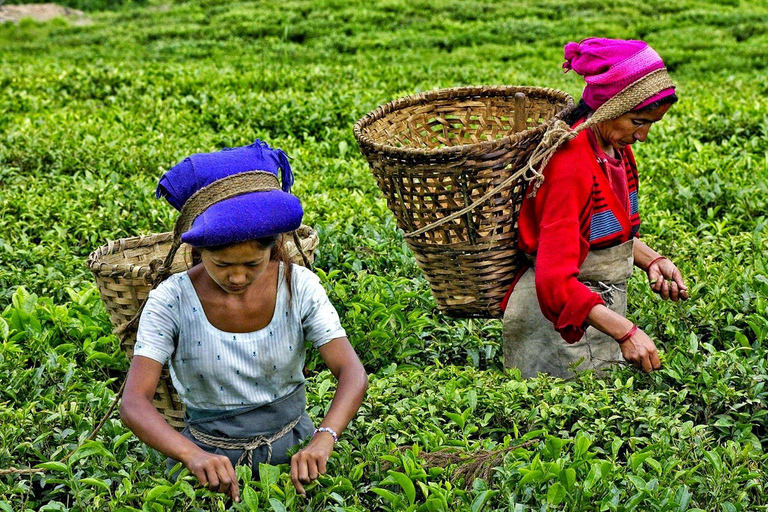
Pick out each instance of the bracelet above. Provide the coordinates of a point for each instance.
(329, 430)
(631, 333)
(654, 260)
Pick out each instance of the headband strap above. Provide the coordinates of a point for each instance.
(633, 95)
(225, 188)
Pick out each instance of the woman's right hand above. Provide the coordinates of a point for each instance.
(138, 414)
(214, 472)
(640, 350)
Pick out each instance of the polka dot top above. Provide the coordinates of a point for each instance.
(218, 370)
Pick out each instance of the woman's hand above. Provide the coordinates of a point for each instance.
(309, 463)
(666, 280)
(640, 350)
(213, 471)
(637, 349)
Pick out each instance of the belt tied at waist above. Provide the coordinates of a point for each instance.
(247, 444)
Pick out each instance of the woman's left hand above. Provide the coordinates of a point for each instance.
(308, 463)
(666, 280)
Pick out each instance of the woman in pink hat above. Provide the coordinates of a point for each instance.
(579, 223)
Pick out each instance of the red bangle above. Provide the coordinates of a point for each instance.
(654, 260)
(631, 333)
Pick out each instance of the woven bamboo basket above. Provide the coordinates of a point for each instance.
(438, 152)
(120, 268)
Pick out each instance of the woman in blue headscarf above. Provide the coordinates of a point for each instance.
(233, 328)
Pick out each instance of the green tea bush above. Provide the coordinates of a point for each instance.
(91, 116)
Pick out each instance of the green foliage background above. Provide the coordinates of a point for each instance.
(90, 117)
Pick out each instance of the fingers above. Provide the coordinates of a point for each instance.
(303, 471)
(219, 480)
(655, 361)
(646, 365)
(641, 352)
(649, 356)
(321, 466)
(667, 282)
(234, 489)
(201, 477)
(683, 290)
(217, 474)
(295, 477)
(655, 278)
(664, 289)
(674, 291)
(212, 478)
(306, 466)
(313, 470)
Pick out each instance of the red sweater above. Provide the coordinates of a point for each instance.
(575, 210)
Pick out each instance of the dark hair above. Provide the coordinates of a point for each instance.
(583, 110)
(277, 253)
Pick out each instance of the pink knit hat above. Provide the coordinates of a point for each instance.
(610, 65)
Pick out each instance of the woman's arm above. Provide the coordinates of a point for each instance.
(343, 362)
(563, 210)
(138, 414)
(663, 275)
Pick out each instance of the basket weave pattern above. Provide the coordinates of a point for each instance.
(121, 269)
(438, 152)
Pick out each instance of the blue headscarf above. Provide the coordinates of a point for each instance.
(244, 217)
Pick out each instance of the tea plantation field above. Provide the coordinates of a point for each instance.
(91, 116)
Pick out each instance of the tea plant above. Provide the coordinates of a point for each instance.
(91, 116)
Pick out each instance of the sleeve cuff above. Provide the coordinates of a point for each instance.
(341, 333)
(572, 322)
(155, 353)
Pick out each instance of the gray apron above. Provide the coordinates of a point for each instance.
(530, 340)
(260, 423)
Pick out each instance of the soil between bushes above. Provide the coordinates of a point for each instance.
(40, 12)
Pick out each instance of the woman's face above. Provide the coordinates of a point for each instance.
(628, 128)
(235, 268)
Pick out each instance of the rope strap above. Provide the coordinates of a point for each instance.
(247, 444)
(559, 133)
(219, 190)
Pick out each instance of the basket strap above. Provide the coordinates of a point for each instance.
(631, 96)
(297, 243)
(559, 133)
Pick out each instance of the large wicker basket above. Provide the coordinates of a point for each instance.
(120, 268)
(437, 152)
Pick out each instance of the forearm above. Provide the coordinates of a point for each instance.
(138, 414)
(352, 384)
(611, 323)
(643, 254)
